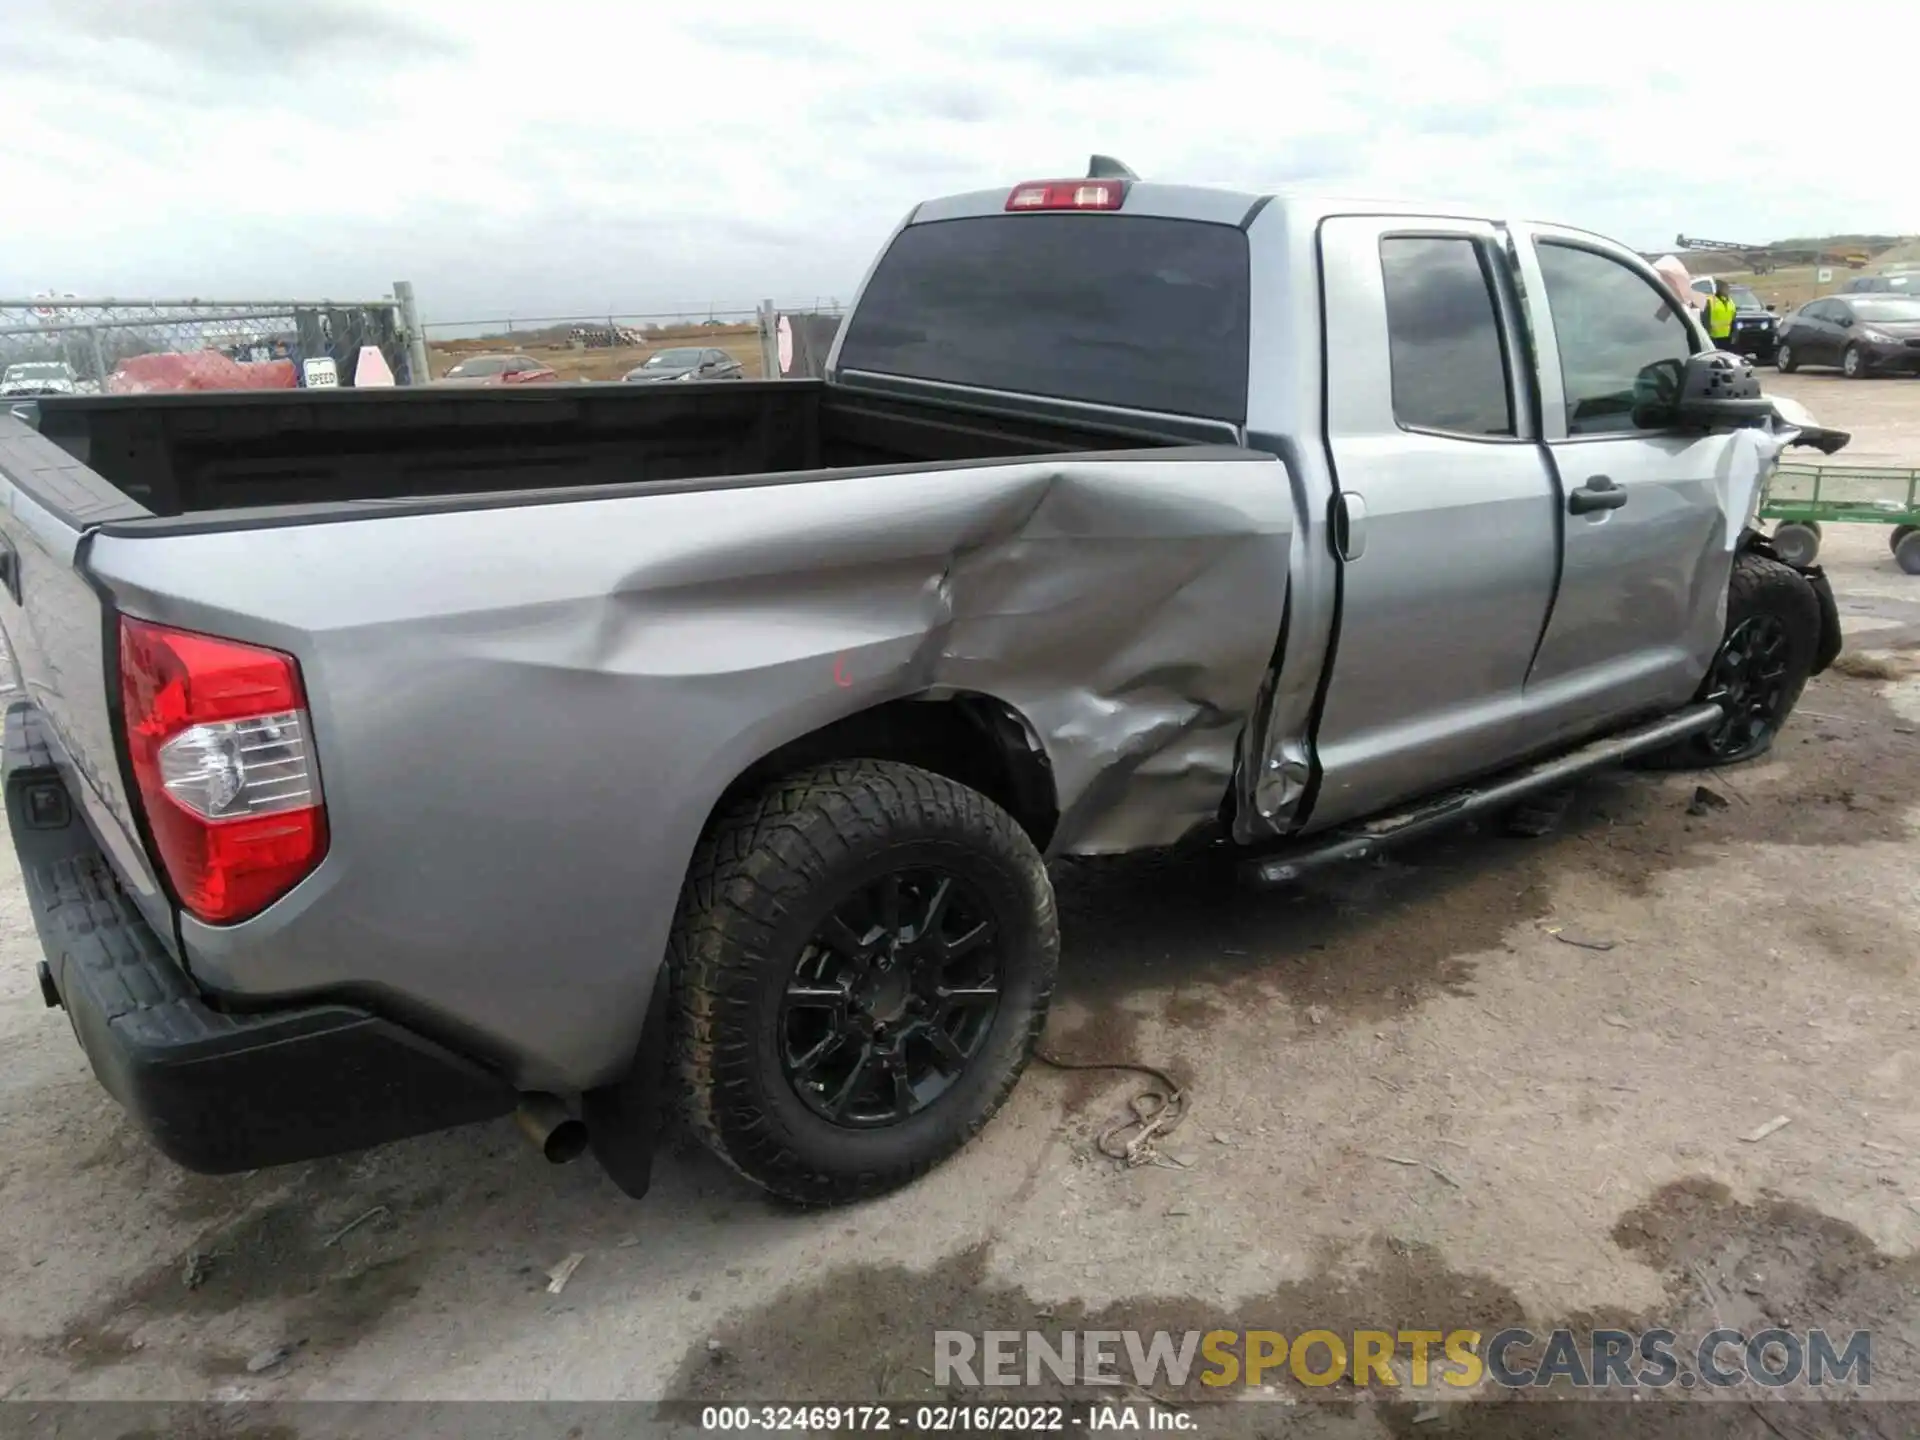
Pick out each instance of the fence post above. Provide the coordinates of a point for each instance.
(99, 358)
(769, 342)
(416, 337)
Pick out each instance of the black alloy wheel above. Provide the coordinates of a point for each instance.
(1751, 681)
(891, 999)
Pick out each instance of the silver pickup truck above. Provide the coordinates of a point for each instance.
(392, 760)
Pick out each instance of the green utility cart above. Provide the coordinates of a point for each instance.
(1801, 498)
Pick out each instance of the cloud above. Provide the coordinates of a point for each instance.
(575, 155)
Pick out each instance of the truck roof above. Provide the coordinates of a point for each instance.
(1226, 207)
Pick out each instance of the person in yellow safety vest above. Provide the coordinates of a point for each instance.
(1719, 315)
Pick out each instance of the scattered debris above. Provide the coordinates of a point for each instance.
(198, 1269)
(1865, 667)
(1705, 801)
(1616, 1022)
(1420, 1165)
(1233, 952)
(1179, 1210)
(715, 1352)
(1581, 941)
(1316, 1014)
(352, 1225)
(1426, 1414)
(1884, 1149)
(558, 1276)
(274, 1356)
(1220, 1137)
(1778, 1122)
(1157, 1112)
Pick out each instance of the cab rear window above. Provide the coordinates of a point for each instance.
(1138, 312)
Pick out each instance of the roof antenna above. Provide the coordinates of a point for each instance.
(1105, 167)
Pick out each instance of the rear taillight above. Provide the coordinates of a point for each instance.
(222, 753)
(1067, 195)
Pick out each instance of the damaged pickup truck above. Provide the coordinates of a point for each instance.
(392, 760)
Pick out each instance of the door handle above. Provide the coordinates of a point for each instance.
(1350, 525)
(1599, 493)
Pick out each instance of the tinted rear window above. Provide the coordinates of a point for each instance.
(1133, 311)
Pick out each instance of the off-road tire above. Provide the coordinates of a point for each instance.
(762, 880)
(1759, 587)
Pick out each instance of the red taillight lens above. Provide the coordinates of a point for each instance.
(222, 753)
(1067, 195)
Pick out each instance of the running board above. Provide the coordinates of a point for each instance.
(1356, 842)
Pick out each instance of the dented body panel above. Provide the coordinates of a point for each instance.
(561, 693)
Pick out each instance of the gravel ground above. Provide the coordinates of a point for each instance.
(1417, 1100)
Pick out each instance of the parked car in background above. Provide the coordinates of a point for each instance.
(1864, 335)
(687, 363)
(499, 370)
(1755, 329)
(37, 377)
(1906, 283)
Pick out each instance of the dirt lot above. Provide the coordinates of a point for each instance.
(1487, 1082)
(740, 341)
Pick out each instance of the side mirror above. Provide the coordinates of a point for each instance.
(1711, 390)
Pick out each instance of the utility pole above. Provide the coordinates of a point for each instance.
(416, 337)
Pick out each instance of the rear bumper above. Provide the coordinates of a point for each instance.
(217, 1092)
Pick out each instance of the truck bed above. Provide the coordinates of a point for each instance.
(188, 454)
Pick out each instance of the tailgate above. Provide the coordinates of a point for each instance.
(56, 628)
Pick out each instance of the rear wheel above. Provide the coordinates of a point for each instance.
(1853, 363)
(1757, 674)
(1785, 359)
(1900, 532)
(1797, 542)
(862, 962)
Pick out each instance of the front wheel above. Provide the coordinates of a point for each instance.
(862, 965)
(1853, 363)
(1785, 359)
(1762, 665)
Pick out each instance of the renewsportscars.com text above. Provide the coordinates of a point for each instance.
(1512, 1358)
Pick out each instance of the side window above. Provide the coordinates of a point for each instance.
(1443, 335)
(1621, 339)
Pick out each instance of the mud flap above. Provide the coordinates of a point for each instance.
(625, 1119)
(1831, 638)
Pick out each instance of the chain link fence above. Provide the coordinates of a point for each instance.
(79, 346)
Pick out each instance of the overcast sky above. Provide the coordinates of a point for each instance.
(561, 157)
